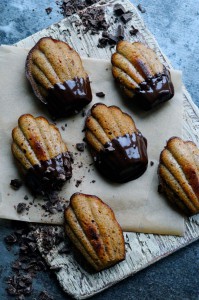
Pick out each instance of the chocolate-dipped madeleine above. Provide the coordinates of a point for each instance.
(41, 153)
(57, 76)
(118, 148)
(179, 174)
(92, 227)
(141, 75)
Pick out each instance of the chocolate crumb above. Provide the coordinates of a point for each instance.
(93, 181)
(48, 10)
(16, 184)
(151, 163)
(133, 31)
(63, 128)
(21, 207)
(118, 9)
(78, 182)
(10, 239)
(80, 147)
(126, 17)
(143, 10)
(25, 197)
(100, 94)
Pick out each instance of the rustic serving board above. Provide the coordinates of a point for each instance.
(142, 249)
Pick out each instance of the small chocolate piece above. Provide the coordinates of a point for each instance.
(126, 17)
(118, 149)
(120, 32)
(80, 147)
(21, 207)
(48, 10)
(78, 182)
(143, 10)
(100, 94)
(16, 184)
(10, 239)
(119, 9)
(133, 31)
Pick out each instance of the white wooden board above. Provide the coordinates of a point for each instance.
(142, 249)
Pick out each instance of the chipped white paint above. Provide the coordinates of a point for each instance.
(142, 249)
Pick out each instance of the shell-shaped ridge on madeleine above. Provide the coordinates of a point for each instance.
(179, 174)
(57, 76)
(140, 72)
(107, 123)
(93, 229)
(41, 153)
(118, 148)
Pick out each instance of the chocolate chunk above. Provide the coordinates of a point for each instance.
(102, 42)
(10, 239)
(21, 207)
(100, 94)
(45, 296)
(120, 32)
(16, 184)
(143, 10)
(80, 147)
(126, 17)
(119, 9)
(133, 31)
(48, 10)
(78, 182)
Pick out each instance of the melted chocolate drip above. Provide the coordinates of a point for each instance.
(155, 90)
(69, 97)
(50, 175)
(124, 158)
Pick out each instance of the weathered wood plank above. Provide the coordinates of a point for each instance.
(142, 249)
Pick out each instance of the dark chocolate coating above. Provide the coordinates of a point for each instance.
(123, 159)
(68, 97)
(50, 176)
(154, 90)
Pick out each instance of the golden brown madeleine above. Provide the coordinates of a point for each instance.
(92, 227)
(141, 74)
(118, 148)
(41, 153)
(57, 76)
(179, 174)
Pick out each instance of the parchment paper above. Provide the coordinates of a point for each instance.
(137, 204)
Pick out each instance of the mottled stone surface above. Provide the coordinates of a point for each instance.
(175, 26)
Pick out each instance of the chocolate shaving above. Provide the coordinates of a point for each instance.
(133, 31)
(100, 94)
(143, 10)
(78, 182)
(126, 17)
(27, 263)
(119, 9)
(80, 147)
(21, 207)
(48, 10)
(16, 184)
